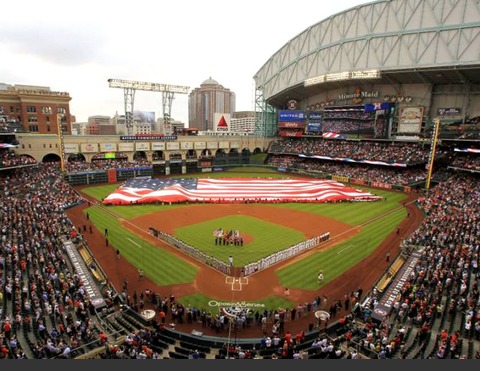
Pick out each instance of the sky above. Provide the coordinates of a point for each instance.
(75, 46)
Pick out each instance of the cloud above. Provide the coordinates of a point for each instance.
(62, 46)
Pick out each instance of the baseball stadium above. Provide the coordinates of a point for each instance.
(347, 227)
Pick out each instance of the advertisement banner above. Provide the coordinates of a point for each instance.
(200, 145)
(89, 147)
(410, 119)
(148, 137)
(158, 146)
(172, 146)
(314, 127)
(186, 145)
(341, 178)
(108, 147)
(449, 111)
(125, 147)
(315, 116)
(287, 115)
(71, 148)
(142, 146)
(289, 124)
(291, 133)
(358, 181)
(381, 185)
(221, 122)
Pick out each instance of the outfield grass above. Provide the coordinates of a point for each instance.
(353, 213)
(159, 265)
(377, 220)
(334, 261)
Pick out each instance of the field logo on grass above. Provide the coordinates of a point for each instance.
(234, 309)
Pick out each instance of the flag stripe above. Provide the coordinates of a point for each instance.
(234, 190)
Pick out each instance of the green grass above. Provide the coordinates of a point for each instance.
(334, 261)
(159, 265)
(201, 301)
(267, 238)
(352, 213)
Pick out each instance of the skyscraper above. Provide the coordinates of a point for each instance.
(206, 102)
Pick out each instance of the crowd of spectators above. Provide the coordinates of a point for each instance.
(440, 299)
(400, 153)
(10, 125)
(46, 304)
(347, 126)
(105, 164)
(466, 161)
(10, 159)
(383, 174)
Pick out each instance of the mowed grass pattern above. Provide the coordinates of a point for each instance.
(336, 260)
(159, 265)
(266, 238)
(353, 213)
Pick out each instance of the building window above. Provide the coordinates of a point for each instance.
(12, 109)
(33, 128)
(47, 110)
(30, 146)
(1, 110)
(48, 127)
(32, 119)
(47, 119)
(62, 110)
(31, 109)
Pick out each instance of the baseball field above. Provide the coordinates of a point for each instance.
(358, 231)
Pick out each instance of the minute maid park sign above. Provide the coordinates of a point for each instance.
(358, 95)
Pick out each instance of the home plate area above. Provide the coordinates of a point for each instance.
(236, 283)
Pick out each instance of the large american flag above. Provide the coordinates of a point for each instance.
(234, 190)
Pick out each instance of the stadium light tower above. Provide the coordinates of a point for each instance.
(129, 88)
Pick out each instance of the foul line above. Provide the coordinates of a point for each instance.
(134, 242)
(346, 248)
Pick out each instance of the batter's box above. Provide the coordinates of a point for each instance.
(236, 283)
(236, 286)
